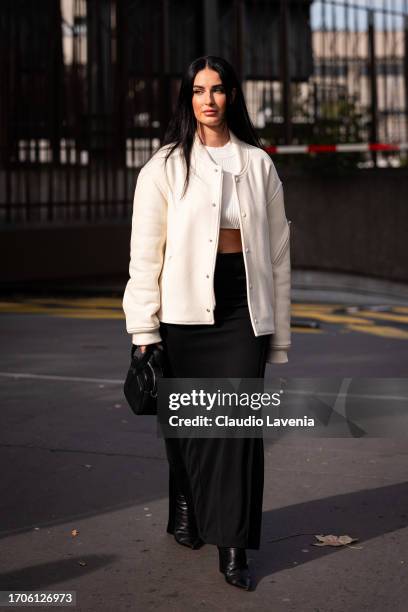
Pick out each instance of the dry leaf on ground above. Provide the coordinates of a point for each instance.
(333, 540)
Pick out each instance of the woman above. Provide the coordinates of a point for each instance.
(210, 284)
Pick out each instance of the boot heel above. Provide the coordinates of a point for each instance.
(185, 528)
(172, 504)
(181, 521)
(233, 564)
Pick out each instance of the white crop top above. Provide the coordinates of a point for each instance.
(229, 162)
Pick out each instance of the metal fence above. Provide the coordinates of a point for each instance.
(88, 87)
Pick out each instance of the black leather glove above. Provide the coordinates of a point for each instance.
(136, 346)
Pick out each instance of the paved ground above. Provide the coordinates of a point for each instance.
(73, 456)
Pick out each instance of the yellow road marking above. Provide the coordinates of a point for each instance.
(79, 302)
(329, 318)
(307, 330)
(12, 307)
(385, 316)
(88, 314)
(401, 309)
(382, 331)
(318, 307)
(363, 321)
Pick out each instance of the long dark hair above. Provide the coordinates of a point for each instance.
(182, 127)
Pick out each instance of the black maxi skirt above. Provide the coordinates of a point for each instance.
(222, 478)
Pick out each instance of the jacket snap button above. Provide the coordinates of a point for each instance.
(210, 239)
(256, 320)
(208, 310)
(244, 214)
(250, 286)
(247, 250)
(215, 169)
(214, 204)
(207, 275)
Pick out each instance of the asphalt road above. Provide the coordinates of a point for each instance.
(74, 457)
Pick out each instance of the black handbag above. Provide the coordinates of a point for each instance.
(141, 384)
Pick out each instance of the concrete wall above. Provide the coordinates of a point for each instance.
(354, 224)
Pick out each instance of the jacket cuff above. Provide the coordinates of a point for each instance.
(277, 356)
(147, 337)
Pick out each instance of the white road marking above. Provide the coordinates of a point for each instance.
(113, 381)
(104, 381)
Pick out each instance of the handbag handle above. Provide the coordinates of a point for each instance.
(154, 391)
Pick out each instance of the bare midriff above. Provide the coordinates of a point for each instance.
(229, 241)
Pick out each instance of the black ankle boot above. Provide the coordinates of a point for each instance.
(234, 566)
(184, 525)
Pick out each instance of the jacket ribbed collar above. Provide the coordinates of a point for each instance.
(204, 162)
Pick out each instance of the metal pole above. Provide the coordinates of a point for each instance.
(164, 72)
(373, 82)
(239, 38)
(406, 74)
(285, 71)
(209, 37)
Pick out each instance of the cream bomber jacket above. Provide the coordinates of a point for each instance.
(174, 243)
